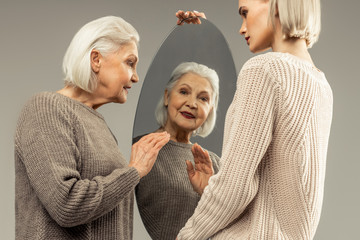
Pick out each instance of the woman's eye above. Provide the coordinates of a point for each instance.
(204, 99)
(131, 64)
(183, 92)
(244, 13)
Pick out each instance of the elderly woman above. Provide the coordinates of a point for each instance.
(72, 182)
(165, 196)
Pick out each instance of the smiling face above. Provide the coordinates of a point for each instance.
(116, 73)
(256, 27)
(189, 104)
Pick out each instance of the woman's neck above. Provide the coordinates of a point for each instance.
(294, 46)
(176, 135)
(80, 95)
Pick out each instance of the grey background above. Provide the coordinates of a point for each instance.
(34, 37)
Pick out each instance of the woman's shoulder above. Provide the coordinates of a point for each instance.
(46, 106)
(47, 99)
(264, 61)
(41, 96)
(277, 62)
(39, 102)
(259, 69)
(276, 66)
(45, 110)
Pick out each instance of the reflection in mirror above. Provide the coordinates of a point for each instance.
(203, 44)
(191, 70)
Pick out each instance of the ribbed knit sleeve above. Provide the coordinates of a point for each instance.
(248, 133)
(54, 147)
(271, 180)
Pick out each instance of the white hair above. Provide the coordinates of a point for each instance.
(161, 112)
(298, 18)
(107, 35)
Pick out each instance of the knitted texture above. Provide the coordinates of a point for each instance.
(165, 197)
(271, 181)
(72, 182)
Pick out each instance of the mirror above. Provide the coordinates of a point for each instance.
(203, 44)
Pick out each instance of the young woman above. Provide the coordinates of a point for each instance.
(271, 180)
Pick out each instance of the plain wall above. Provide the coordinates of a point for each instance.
(34, 37)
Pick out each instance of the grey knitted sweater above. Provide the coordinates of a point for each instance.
(165, 197)
(72, 182)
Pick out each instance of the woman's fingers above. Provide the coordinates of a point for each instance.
(180, 15)
(150, 137)
(202, 159)
(159, 144)
(149, 141)
(190, 169)
(145, 151)
(195, 152)
(199, 14)
(200, 154)
(189, 17)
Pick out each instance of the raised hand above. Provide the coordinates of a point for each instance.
(145, 152)
(203, 170)
(189, 17)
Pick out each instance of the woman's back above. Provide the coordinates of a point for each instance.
(295, 120)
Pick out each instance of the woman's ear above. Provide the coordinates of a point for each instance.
(166, 100)
(95, 60)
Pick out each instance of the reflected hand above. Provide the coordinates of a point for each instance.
(145, 152)
(203, 170)
(189, 17)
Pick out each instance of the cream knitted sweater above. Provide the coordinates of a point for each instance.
(271, 181)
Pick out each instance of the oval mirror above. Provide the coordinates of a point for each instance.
(204, 44)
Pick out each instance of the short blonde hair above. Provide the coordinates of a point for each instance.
(298, 18)
(107, 35)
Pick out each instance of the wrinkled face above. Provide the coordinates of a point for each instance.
(117, 73)
(189, 103)
(256, 26)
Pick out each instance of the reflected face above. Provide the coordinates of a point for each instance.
(189, 103)
(256, 26)
(117, 73)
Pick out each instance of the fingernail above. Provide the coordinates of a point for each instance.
(195, 11)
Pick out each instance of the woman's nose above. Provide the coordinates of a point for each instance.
(243, 29)
(135, 77)
(191, 103)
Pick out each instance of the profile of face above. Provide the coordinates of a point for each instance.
(256, 26)
(188, 104)
(116, 72)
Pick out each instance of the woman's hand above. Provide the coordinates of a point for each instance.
(199, 176)
(145, 152)
(189, 17)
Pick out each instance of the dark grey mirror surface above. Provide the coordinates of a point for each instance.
(203, 44)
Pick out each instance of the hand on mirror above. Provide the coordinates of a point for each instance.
(203, 170)
(189, 17)
(145, 152)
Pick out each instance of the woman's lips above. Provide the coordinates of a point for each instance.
(187, 115)
(247, 40)
(126, 89)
